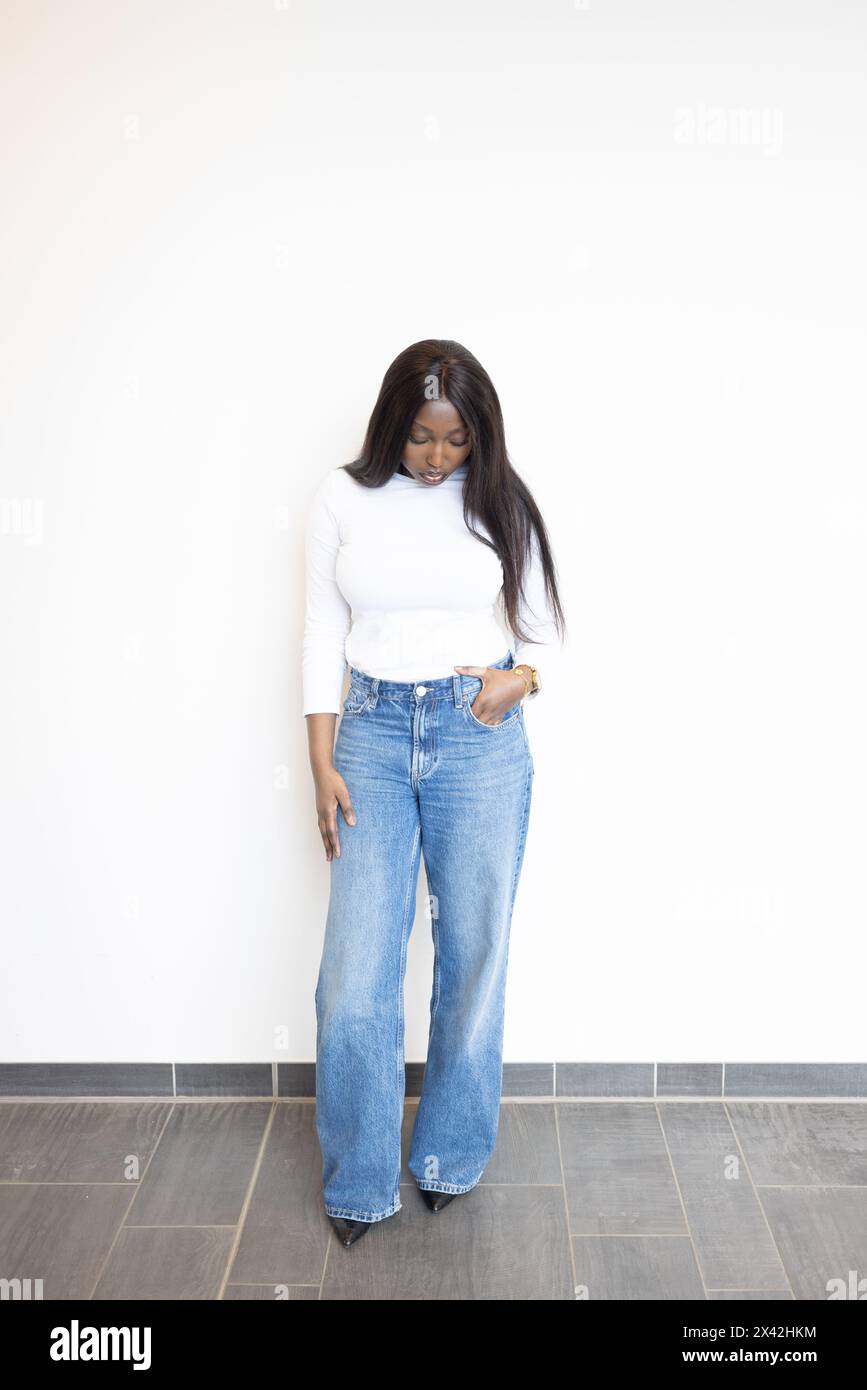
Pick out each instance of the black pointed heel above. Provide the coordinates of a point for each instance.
(437, 1200)
(347, 1230)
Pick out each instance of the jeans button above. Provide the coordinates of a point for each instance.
(421, 690)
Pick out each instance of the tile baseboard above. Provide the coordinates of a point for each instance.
(521, 1080)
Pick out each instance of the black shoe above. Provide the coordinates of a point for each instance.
(437, 1200)
(348, 1231)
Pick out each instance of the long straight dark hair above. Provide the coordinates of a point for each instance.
(440, 369)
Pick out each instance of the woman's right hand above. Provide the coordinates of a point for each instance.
(331, 792)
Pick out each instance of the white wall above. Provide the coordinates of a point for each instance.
(222, 223)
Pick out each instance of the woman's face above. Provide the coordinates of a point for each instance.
(438, 443)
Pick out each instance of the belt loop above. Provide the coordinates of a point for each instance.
(458, 690)
(374, 692)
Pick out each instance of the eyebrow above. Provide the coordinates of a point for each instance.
(458, 429)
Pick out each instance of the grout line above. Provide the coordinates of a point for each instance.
(328, 1240)
(122, 1226)
(245, 1206)
(682, 1203)
(808, 1186)
(566, 1206)
(258, 1284)
(230, 1225)
(736, 1138)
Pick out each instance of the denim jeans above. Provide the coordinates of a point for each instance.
(425, 775)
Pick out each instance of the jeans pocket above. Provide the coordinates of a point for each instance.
(509, 718)
(356, 701)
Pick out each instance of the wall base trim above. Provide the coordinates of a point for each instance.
(521, 1080)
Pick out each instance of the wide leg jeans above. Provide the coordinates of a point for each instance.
(426, 776)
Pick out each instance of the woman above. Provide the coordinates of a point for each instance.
(409, 550)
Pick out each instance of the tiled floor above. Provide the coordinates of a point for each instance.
(747, 1199)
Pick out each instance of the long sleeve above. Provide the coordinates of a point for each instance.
(536, 614)
(328, 617)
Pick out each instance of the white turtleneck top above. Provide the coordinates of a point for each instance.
(399, 587)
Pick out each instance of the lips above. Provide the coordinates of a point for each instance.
(433, 477)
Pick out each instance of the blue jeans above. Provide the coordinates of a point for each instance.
(424, 774)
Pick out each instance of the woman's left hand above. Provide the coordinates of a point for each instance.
(501, 689)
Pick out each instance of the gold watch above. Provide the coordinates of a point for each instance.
(534, 685)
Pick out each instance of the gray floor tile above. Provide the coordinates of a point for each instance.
(490, 1243)
(70, 1215)
(286, 1231)
(821, 1233)
(202, 1167)
(813, 1142)
(635, 1267)
(617, 1171)
(59, 1233)
(178, 1264)
(526, 1150)
(733, 1245)
(79, 1141)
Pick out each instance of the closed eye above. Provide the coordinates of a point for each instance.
(455, 443)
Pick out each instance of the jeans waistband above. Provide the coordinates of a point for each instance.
(442, 686)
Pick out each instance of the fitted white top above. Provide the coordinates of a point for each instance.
(399, 587)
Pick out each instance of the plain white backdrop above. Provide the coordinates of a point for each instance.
(221, 224)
